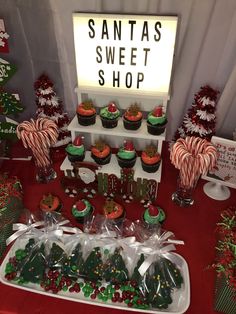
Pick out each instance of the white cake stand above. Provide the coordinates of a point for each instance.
(216, 191)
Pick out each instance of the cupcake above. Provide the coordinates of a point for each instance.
(156, 121)
(154, 215)
(132, 118)
(101, 152)
(81, 210)
(113, 210)
(86, 113)
(109, 116)
(50, 203)
(76, 151)
(150, 159)
(126, 155)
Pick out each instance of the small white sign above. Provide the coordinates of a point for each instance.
(225, 169)
(126, 53)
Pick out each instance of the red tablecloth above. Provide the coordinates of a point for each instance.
(195, 225)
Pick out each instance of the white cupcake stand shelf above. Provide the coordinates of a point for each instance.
(115, 137)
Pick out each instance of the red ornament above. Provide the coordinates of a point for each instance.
(153, 210)
(112, 107)
(80, 206)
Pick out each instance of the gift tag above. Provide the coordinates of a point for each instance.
(7, 70)
(3, 38)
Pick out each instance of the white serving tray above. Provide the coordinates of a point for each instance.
(181, 297)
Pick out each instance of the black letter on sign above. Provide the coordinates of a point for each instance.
(145, 31)
(131, 29)
(128, 80)
(121, 62)
(99, 57)
(104, 29)
(146, 50)
(133, 56)
(110, 53)
(157, 38)
(116, 79)
(100, 74)
(91, 24)
(140, 78)
(117, 30)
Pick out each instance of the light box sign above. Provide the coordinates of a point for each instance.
(127, 53)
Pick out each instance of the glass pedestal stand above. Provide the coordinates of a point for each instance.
(183, 196)
(45, 174)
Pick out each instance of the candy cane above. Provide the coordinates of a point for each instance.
(38, 135)
(193, 156)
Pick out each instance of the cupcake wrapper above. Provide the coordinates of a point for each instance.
(74, 158)
(109, 124)
(151, 168)
(132, 125)
(81, 220)
(85, 121)
(101, 161)
(156, 129)
(123, 163)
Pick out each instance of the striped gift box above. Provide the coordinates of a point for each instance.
(9, 215)
(224, 300)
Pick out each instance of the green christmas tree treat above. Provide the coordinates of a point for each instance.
(158, 289)
(74, 263)
(93, 266)
(34, 267)
(56, 257)
(115, 270)
(171, 273)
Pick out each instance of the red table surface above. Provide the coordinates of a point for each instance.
(194, 225)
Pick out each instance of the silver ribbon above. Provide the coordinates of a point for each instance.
(68, 229)
(156, 246)
(22, 228)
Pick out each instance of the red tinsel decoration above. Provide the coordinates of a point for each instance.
(208, 126)
(51, 107)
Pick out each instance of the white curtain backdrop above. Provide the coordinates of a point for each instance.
(205, 49)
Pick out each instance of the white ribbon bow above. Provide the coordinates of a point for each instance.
(22, 228)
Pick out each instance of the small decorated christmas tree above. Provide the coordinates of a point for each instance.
(34, 268)
(93, 266)
(49, 106)
(74, 263)
(200, 120)
(56, 257)
(159, 290)
(115, 270)
(171, 273)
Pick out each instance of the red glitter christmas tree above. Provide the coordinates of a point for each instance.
(49, 106)
(200, 120)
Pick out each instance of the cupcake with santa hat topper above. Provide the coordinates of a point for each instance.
(153, 215)
(109, 116)
(86, 113)
(82, 210)
(76, 150)
(126, 155)
(156, 121)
